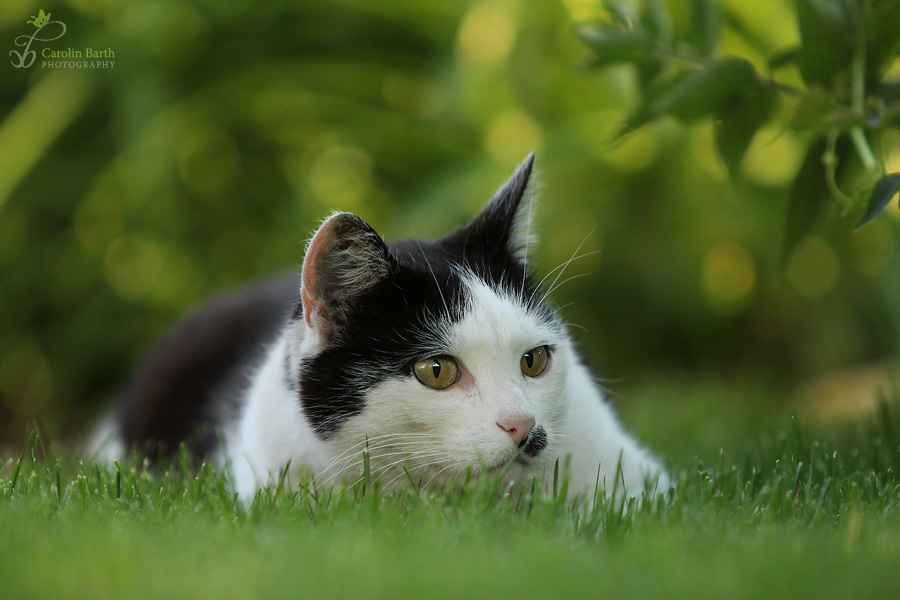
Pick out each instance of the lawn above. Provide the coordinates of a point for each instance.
(791, 511)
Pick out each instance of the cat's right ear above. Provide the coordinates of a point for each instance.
(345, 259)
(503, 225)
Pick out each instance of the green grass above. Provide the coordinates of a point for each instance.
(791, 513)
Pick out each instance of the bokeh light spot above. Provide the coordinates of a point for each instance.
(584, 11)
(486, 35)
(341, 177)
(773, 157)
(729, 273)
(512, 135)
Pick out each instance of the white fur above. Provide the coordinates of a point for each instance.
(271, 431)
(104, 444)
(411, 430)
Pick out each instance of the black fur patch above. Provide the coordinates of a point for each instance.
(537, 441)
(173, 397)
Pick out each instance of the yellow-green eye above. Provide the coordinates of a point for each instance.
(535, 361)
(438, 372)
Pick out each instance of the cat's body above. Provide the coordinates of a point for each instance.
(432, 357)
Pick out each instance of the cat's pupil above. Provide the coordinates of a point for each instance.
(529, 359)
(436, 369)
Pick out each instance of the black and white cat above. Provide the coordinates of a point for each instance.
(434, 357)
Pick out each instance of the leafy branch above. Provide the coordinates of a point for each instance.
(847, 47)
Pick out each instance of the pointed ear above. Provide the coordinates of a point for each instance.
(344, 260)
(504, 222)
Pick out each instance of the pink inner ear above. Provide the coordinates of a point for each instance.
(309, 293)
(308, 306)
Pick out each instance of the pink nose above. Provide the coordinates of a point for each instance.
(517, 427)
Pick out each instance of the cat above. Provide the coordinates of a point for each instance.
(432, 357)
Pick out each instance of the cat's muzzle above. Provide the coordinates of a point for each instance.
(536, 442)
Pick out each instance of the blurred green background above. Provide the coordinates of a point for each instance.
(227, 129)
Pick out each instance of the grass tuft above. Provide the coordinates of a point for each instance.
(799, 512)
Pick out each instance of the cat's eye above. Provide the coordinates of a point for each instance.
(438, 372)
(535, 361)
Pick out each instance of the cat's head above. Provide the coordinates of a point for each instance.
(436, 356)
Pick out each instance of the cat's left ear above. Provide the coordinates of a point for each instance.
(505, 221)
(344, 261)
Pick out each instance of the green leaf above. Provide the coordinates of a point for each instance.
(882, 26)
(737, 124)
(704, 32)
(784, 58)
(703, 92)
(891, 114)
(818, 111)
(826, 33)
(615, 45)
(889, 92)
(810, 193)
(885, 189)
(692, 95)
(648, 70)
(651, 91)
(657, 21)
(623, 12)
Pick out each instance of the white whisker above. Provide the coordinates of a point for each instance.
(421, 466)
(399, 444)
(527, 236)
(432, 478)
(564, 281)
(568, 262)
(376, 442)
(563, 266)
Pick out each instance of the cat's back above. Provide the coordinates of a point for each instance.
(194, 376)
